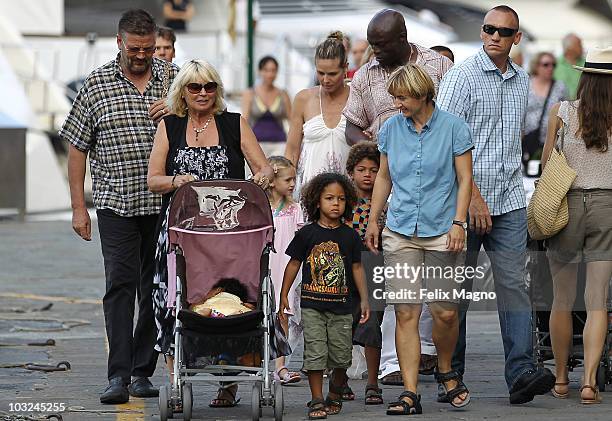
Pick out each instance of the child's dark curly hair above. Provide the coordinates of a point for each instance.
(311, 194)
(362, 150)
(233, 286)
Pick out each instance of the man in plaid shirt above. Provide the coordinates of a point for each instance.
(490, 93)
(113, 120)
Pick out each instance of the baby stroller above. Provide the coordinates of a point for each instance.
(541, 294)
(220, 229)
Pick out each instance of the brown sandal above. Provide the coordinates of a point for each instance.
(590, 401)
(558, 395)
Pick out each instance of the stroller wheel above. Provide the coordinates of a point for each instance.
(164, 403)
(187, 401)
(279, 403)
(601, 377)
(256, 401)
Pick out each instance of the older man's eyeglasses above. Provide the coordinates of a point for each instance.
(503, 32)
(135, 50)
(196, 88)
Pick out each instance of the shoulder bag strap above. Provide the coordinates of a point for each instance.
(552, 85)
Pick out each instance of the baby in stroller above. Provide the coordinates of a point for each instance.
(226, 298)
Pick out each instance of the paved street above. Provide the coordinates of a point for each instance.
(44, 263)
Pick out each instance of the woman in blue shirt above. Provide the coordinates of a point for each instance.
(426, 159)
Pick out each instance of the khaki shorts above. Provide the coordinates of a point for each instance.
(588, 235)
(423, 270)
(328, 341)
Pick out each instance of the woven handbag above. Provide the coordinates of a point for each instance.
(547, 213)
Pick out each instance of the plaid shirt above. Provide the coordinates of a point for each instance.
(110, 120)
(493, 104)
(369, 104)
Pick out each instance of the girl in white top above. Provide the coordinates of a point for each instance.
(316, 141)
(586, 125)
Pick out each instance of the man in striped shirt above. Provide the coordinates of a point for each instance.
(490, 93)
(113, 120)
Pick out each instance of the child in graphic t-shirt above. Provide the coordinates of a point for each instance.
(329, 253)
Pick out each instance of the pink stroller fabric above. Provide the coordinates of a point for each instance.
(222, 227)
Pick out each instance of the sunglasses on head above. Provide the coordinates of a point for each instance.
(503, 32)
(196, 88)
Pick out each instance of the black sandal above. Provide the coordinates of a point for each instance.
(314, 406)
(407, 408)
(220, 402)
(373, 395)
(451, 394)
(333, 406)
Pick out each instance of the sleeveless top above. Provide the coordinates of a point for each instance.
(228, 129)
(593, 168)
(324, 149)
(267, 123)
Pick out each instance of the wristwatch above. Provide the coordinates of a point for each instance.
(462, 224)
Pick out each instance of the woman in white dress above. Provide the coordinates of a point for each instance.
(316, 141)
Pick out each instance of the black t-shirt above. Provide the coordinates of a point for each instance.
(327, 257)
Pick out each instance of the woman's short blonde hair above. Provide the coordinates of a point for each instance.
(198, 71)
(413, 81)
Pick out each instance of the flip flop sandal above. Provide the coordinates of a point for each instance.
(407, 408)
(220, 402)
(316, 406)
(373, 395)
(590, 401)
(393, 379)
(347, 393)
(333, 406)
(288, 378)
(453, 393)
(558, 395)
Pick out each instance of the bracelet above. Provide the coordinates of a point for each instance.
(173, 181)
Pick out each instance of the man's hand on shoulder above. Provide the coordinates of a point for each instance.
(158, 110)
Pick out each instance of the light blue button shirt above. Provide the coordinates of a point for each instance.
(422, 169)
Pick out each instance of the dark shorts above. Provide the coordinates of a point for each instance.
(369, 333)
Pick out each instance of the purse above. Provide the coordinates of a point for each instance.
(547, 212)
(532, 149)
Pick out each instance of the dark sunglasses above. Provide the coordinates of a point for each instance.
(548, 64)
(196, 88)
(503, 32)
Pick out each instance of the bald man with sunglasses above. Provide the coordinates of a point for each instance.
(490, 93)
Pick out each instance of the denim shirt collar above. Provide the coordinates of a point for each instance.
(430, 122)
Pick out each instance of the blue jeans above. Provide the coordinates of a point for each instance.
(506, 246)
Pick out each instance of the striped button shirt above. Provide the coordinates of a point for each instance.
(369, 104)
(493, 104)
(110, 120)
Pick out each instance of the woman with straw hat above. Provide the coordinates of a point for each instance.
(586, 124)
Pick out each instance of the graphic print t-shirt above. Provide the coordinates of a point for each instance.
(327, 257)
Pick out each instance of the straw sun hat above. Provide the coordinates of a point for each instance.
(598, 60)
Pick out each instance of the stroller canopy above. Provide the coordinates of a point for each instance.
(223, 227)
